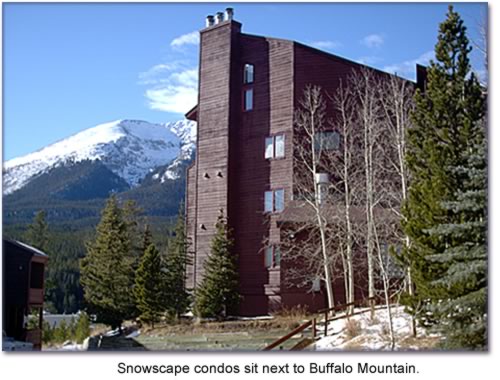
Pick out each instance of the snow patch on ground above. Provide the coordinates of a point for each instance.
(372, 335)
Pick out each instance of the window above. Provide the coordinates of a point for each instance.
(36, 277)
(316, 285)
(268, 201)
(279, 200)
(269, 152)
(279, 144)
(275, 147)
(268, 259)
(248, 100)
(272, 256)
(274, 200)
(327, 141)
(277, 256)
(248, 74)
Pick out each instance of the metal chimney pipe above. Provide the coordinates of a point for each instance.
(229, 13)
(219, 17)
(209, 20)
(322, 181)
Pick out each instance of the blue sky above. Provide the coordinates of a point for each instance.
(68, 67)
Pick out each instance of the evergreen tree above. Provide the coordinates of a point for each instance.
(217, 295)
(149, 285)
(61, 332)
(463, 312)
(47, 333)
(176, 262)
(131, 216)
(107, 273)
(439, 212)
(147, 239)
(82, 328)
(37, 234)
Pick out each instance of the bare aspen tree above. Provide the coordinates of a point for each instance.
(364, 85)
(347, 168)
(396, 97)
(310, 120)
(481, 45)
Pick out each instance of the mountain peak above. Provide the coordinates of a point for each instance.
(129, 148)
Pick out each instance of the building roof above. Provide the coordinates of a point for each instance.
(34, 251)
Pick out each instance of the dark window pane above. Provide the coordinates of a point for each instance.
(248, 99)
(248, 76)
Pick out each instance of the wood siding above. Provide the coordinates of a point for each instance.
(212, 156)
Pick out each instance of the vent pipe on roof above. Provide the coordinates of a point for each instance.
(209, 20)
(219, 17)
(229, 13)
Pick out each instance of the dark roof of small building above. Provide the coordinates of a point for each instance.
(28, 248)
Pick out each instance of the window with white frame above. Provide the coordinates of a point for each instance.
(279, 146)
(269, 150)
(274, 200)
(248, 74)
(272, 256)
(275, 147)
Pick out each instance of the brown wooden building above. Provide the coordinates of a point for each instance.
(23, 289)
(249, 87)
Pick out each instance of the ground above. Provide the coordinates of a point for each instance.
(358, 333)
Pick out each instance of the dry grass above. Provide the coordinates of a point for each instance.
(419, 343)
(195, 328)
(352, 328)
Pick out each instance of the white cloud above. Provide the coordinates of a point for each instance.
(369, 60)
(407, 68)
(373, 40)
(175, 87)
(328, 45)
(192, 38)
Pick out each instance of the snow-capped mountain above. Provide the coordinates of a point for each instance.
(131, 149)
(186, 131)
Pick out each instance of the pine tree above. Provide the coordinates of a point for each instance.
(131, 216)
(61, 332)
(147, 239)
(439, 157)
(149, 286)
(82, 328)
(217, 295)
(463, 312)
(107, 274)
(177, 260)
(37, 234)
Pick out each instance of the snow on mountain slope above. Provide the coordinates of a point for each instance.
(186, 131)
(129, 148)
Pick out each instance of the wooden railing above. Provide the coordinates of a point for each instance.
(344, 307)
(329, 315)
(295, 331)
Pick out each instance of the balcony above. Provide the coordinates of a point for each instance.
(35, 296)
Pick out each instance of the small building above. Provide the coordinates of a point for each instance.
(23, 290)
